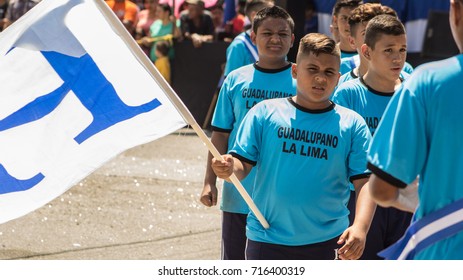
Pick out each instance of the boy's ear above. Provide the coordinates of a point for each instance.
(366, 51)
(334, 21)
(253, 37)
(292, 40)
(352, 42)
(457, 9)
(294, 70)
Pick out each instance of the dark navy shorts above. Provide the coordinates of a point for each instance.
(233, 236)
(326, 250)
(387, 227)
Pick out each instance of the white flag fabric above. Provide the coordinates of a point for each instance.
(73, 95)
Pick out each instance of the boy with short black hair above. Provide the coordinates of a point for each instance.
(304, 150)
(341, 13)
(358, 21)
(385, 49)
(269, 77)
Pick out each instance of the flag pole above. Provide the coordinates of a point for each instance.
(177, 102)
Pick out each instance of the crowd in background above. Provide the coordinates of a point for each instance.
(153, 21)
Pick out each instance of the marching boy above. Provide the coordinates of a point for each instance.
(304, 149)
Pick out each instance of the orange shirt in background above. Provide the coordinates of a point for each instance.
(126, 10)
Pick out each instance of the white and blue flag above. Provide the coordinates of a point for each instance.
(73, 94)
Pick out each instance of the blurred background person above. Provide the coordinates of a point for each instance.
(165, 28)
(236, 25)
(126, 11)
(146, 18)
(162, 59)
(217, 20)
(16, 9)
(3, 7)
(196, 24)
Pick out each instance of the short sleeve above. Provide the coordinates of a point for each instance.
(408, 68)
(342, 96)
(399, 147)
(249, 137)
(236, 57)
(131, 13)
(155, 28)
(224, 117)
(357, 160)
(346, 65)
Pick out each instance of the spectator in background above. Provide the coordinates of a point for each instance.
(217, 19)
(146, 17)
(163, 29)
(16, 9)
(126, 11)
(196, 24)
(242, 51)
(3, 7)
(162, 59)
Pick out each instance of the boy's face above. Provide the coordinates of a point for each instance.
(388, 57)
(342, 21)
(357, 39)
(316, 76)
(273, 39)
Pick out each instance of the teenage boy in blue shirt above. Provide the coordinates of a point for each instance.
(305, 150)
(356, 66)
(270, 77)
(385, 50)
(420, 135)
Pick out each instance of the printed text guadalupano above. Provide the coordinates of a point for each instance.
(306, 143)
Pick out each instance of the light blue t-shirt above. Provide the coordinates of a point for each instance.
(304, 160)
(239, 53)
(242, 89)
(352, 76)
(421, 134)
(349, 63)
(361, 98)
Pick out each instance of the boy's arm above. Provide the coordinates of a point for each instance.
(365, 207)
(354, 237)
(209, 193)
(388, 195)
(229, 165)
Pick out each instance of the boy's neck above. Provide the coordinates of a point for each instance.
(362, 69)
(344, 45)
(311, 106)
(379, 83)
(269, 64)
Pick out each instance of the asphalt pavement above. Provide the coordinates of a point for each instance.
(141, 205)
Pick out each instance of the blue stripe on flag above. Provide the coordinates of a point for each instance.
(35, 110)
(11, 184)
(95, 93)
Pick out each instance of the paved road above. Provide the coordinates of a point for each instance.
(142, 205)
